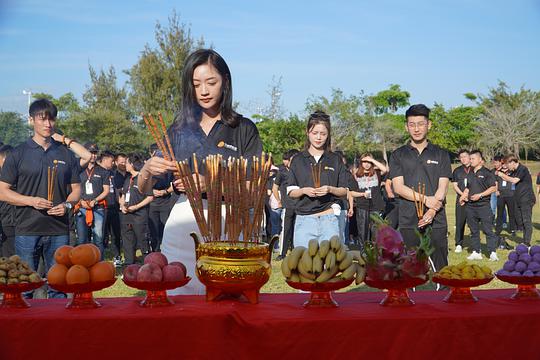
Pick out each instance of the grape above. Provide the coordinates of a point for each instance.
(509, 265)
(514, 256)
(526, 258)
(533, 266)
(528, 273)
(535, 249)
(515, 273)
(520, 266)
(536, 258)
(503, 272)
(522, 249)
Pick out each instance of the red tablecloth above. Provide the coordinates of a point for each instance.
(276, 328)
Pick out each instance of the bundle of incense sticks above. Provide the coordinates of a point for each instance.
(316, 173)
(232, 192)
(161, 138)
(419, 203)
(51, 180)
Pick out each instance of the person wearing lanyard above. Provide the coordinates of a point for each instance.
(134, 207)
(480, 184)
(368, 198)
(505, 200)
(206, 125)
(420, 161)
(524, 194)
(317, 207)
(459, 183)
(94, 192)
(42, 200)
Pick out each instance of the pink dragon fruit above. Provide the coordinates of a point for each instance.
(412, 267)
(381, 271)
(389, 241)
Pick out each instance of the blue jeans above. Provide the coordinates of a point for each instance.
(307, 227)
(30, 248)
(275, 221)
(97, 228)
(493, 203)
(343, 226)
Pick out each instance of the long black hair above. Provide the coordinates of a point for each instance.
(190, 113)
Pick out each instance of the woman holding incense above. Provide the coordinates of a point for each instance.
(368, 199)
(318, 179)
(206, 124)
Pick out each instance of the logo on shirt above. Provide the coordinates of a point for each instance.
(432, 162)
(222, 144)
(329, 168)
(480, 176)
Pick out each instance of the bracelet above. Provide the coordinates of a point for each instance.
(69, 143)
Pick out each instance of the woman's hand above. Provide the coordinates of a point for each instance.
(158, 166)
(309, 191)
(323, 190)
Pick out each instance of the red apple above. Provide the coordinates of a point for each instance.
(173, 273)
(130, 272)
(156, 258)
(149, 273)
(178, 263)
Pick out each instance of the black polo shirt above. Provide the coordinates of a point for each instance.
(333, 173)
(459, 176)
(426, 168)
(112, 197)
(241, 140)
(26, 170)
(162, 202)
(281, 181)
(97, 177)
(524, 191)
(505, 188)
(478, 182)
(135, 196)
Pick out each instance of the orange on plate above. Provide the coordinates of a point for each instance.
(102, 271)
(61, 255)
(77, 274)
(57, 274)
(85, 255)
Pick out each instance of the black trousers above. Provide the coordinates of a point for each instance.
(461, 219)
(113, 228)
(509, 203)
(439, 242)
(7, 241)
(288, 230)
(481, 217)
(134, 237)
(362, 226)
(391, 212)
(524, 211)
(157, 217)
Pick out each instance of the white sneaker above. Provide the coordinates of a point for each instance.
(493, 256)
(458, 249)
(474, 256)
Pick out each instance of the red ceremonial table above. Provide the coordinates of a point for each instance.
(276, 328)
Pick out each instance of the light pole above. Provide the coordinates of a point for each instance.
(29, 93)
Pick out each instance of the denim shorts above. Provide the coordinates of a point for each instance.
(307, 227)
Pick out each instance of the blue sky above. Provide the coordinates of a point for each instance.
(437, 50)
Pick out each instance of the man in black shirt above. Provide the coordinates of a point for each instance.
(505, 201)
(40, 177)
(7, 215)
(524, 194)
(279, 189)
(421, 162)
(480, 184)
(94, 193)
(459, 183)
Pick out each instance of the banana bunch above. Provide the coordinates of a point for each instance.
(465, 271)
(329, 261)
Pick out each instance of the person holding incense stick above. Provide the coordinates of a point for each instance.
(40, 177)
(420, 173)
(205, 125)
(318, 179)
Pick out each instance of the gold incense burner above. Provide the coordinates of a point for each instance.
(233, 269)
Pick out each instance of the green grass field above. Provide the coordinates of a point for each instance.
(276, 284)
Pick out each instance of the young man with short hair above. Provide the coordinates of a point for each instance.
(523, 194)
(27, 181)
(420, 161)
(459, 183)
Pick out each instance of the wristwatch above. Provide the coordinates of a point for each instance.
(68, 205)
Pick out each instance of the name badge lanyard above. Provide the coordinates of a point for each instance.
(467, 171)
(128, 192)
(88, 186)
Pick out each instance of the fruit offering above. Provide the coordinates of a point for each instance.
(464, 271)
(155, 269)
(523, 261)
(327, 261)
(79, 265)
(15, 271)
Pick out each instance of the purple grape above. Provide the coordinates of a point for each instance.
(522, 249)
(536, 257)
(528, 273)
(503, 272)
(514, 256)
(533, 266)
(515, 273)
(509, 265)
(520, 267)
(535, 249)
(526, 258)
